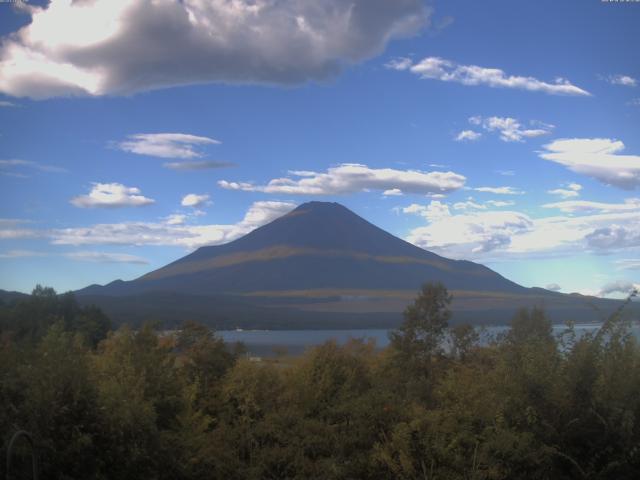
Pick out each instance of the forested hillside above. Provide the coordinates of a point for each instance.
(121, 404)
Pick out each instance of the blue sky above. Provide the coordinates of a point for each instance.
(500, 132)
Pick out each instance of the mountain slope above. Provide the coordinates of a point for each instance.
(316, 246)
(320, 264)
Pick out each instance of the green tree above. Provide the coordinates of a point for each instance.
(464, 338)
(421, 335)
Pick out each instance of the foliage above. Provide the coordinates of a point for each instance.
(184, 405)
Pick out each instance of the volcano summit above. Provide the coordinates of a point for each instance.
(319, 265)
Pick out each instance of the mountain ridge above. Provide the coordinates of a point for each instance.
(316, 245)
(321, 261)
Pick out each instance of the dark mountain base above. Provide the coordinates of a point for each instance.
(225, 312)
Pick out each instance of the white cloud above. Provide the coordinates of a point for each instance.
(393, 192)
(499, 190)
(467, 135)
(628, 264)
(104, 257)
(165, 145)
(506, 173)
(625, 287)
(194, 200)
(465, 235)
(12, 228)
(554, 287)
(176, 219)
(571, 190)
(489, 235)
(470, 204)
(352, 178)
(400, 63)
(163, 234)
(598, 158)
(499, 203)
(119, 47)
(436, 68)
(196, 165)
(510, 129)
(111, 195)
(15, 167)
(624, 80)
(573, 206)
(432, 212)
(6, 104)
(597, 232)
(564, 193)
(616, 236)
(21, 254)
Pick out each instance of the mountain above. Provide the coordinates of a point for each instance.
(320, 264)
(7, 297)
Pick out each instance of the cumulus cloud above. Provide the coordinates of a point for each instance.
(469, 205)
(352, 178)
(194, 200)
(111, 195)
(176, 219)
(574, 206)
(499, 203)
(468, 136)
(164, 234)
(615, 237)
(510, 129)
(554, 287)
(165, 145)
(104, 257)
(119, 47)
(624, 80)
(436, 68)
(432, 212)
(625, 287)
(489, 234)
(499, 190)
(598, 158)
(570, 190)
(399, 63)
(392, 192)
(465, 235)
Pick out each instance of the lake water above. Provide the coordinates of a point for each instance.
(265, 343)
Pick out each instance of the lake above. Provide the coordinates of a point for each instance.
(264, 343)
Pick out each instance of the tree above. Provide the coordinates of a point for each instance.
(463, 339)
(420, 336)
(425, 323)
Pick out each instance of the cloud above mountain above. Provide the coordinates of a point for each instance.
(166, 145)
(352, 178)
(170, 232)
(599, 158)
(490, 234)
(111, 195)
(124, 46)
(436, 68)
